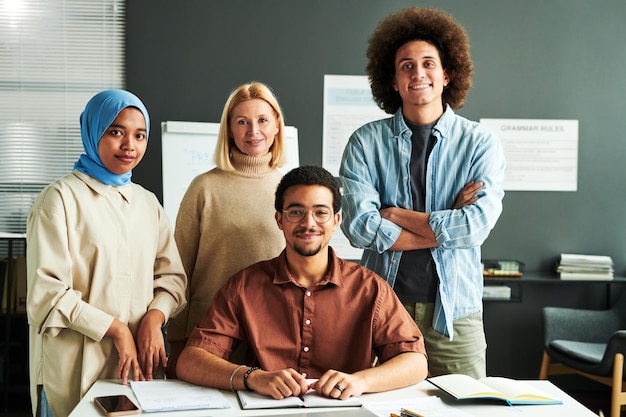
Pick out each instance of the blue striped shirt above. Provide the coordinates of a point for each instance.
(374, 173)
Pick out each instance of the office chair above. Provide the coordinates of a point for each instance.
(591, 343)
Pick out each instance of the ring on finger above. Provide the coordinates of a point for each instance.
(339, 388)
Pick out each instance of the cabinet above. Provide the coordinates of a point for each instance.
(14, 341)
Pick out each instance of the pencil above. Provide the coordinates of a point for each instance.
(408, 413)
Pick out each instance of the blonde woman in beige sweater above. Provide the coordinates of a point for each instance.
(225, 220)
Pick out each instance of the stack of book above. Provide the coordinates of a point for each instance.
(502, 268)
(584, 267)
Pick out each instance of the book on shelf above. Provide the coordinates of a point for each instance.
(585, 267)
(583, 276)
(510, 391)
(310, 399)
(496, 292)
(19, 280)
(15, 299)
(502, 268)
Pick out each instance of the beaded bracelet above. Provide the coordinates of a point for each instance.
(233, 375)
(247, 374)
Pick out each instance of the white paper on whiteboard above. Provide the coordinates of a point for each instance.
(541, 154)
(342, 247)
(187, 151)
(348, 104)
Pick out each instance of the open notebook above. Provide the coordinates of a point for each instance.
(348, 412)
(463, 387)
(252, 400)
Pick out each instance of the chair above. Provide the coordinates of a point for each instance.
(589, 343)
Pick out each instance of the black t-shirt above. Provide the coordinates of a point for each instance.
(417, 279)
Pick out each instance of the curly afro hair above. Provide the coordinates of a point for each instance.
(419, 24)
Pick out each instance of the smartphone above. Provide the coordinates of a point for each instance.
(116, 405)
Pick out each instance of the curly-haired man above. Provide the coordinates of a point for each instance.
(423, 188)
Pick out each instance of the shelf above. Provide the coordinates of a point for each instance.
(14, 342)
(517, 284)
(548, 278)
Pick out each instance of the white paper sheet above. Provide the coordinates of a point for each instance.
(348, 104)
(541, 155)
(428, 406)
(173, 394)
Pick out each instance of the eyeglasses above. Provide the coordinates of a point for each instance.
(320, 214)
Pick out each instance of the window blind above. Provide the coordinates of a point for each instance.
(54, 56)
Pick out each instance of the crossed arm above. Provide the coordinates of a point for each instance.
(416, 232)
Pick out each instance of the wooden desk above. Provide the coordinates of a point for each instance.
(569, 408)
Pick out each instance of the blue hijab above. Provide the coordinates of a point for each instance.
(98, 115)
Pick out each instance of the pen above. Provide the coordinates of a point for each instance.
(408, 413)
(393, 415)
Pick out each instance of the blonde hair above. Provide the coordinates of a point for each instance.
(249, 91)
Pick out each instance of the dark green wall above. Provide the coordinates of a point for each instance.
(544, 59)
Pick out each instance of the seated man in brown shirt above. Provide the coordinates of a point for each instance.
(306, 314)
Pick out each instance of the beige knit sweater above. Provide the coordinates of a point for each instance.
(225, 223)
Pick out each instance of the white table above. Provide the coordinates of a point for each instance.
(569, 408)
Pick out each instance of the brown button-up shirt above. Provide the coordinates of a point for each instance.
(341, 323)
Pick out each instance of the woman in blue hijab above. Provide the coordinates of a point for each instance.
(99, 113)
(103, 269)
